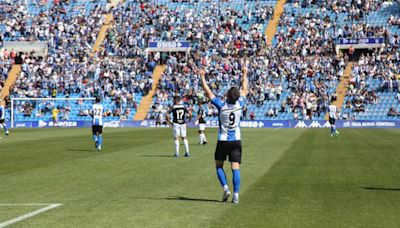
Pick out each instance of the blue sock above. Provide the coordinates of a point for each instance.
(332, 129)
(5, 128)
(236, 180)
(100, 140)
(221, 176)
(95, 138)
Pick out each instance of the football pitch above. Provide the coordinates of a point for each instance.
(290, 178)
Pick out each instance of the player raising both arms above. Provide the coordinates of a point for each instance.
(201, 117)
(333, 112)
(178, 123)
(3, 118)
(97, 123)
(229, 139)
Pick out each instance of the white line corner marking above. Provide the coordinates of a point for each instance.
(30, 214)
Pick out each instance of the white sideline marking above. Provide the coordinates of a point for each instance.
(30, 214)
(25, 204)
(276, 129)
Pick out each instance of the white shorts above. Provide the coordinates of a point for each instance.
(179, 130)
(202, 127)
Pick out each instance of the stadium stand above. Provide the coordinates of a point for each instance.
(373, 88)
(69, 71)
(269, 93)
(228, 36)
(372, 93)
(294, 69)
(304, 39)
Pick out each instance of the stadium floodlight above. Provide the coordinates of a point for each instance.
(17, 102)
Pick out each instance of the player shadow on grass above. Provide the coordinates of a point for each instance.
(81, 150)
(156, 156)
(180, 198)
(380, 189)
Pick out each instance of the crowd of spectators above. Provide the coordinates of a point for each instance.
(218, 41)
(393, 112)
(372, 73)
(301, 63)
(207, 28)
(299, 72)
(355, 8)
(303, 56)
(394, 21)
(69, 70)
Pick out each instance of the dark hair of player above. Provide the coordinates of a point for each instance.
(177, 99)
(98, 99)
(232, 95)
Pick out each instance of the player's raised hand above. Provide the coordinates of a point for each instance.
(244, 89)
(206, 88)
(202, 73)
(244, 70)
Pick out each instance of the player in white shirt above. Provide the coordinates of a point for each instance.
(229, 137)
(333, 113)
(97, 113)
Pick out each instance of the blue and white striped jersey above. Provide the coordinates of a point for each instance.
(97, 112)
(229, 119)
(2, 112)
(332, 111)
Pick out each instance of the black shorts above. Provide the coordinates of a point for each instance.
(2, 121)
(97, 129)
(232, 149)
(331, 120)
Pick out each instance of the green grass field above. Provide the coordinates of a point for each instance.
(290, 178)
